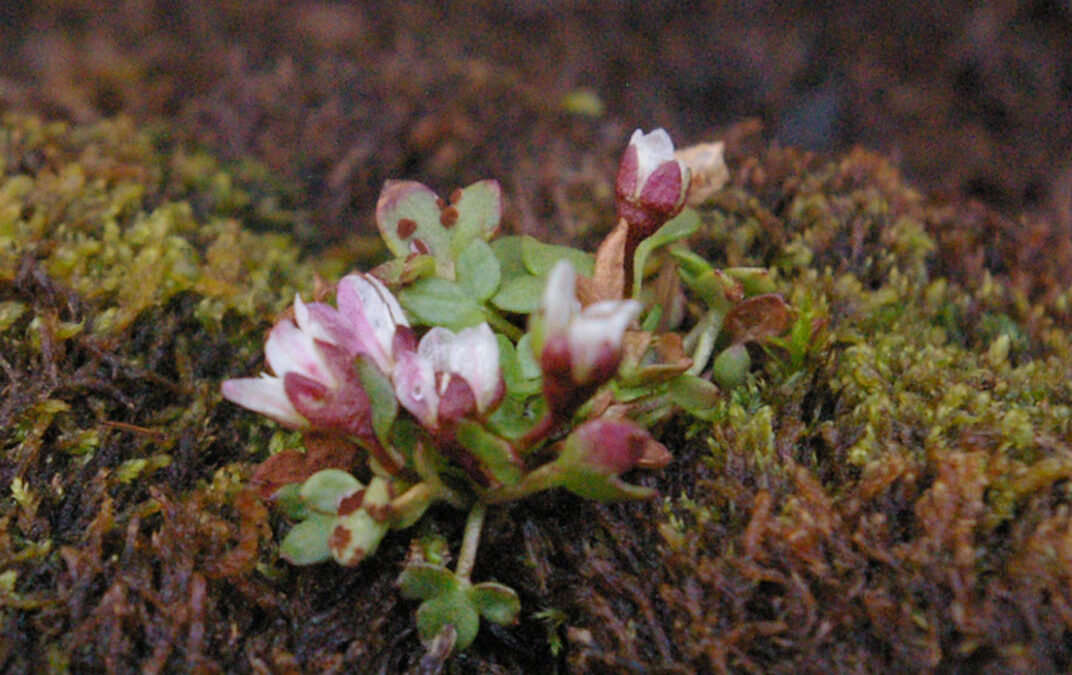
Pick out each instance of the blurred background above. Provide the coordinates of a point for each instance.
(972, 100)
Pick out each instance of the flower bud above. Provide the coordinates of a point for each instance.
(596, 454)
(652, 184)
(579, 349)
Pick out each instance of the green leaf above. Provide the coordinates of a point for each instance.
(731, 366)
(493, 453)
(381, 396)
(477, 269)
(684, 224)
(694, 394)
(530, 363)
(520, 295)
(448, 609)
(479, 212)
(517, 382)
(515, 416)
(363, 532)
(713, 286)
(288, 499)
(408, 217)
(405, 433)
(423, 580)
(539, 257)
(307, 542)
(508, 251)
(439, 302)
(325, 489)
(496, 602)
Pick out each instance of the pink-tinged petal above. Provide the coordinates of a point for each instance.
(265, 395)
(289, 350)
(474, 356)
(346, 408)
(373, 313)
(559, 299)
(324, 323)
(415, 387)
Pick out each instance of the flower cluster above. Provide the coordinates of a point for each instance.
(428, 371)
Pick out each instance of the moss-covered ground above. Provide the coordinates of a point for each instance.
(890, 491)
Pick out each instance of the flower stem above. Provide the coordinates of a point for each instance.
(467, 556)
(499, 323)
(543, 478)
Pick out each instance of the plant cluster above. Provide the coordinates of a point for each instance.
(474, 369)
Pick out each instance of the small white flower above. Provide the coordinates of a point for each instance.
(290, 349)
(593, 335)
(423, 379)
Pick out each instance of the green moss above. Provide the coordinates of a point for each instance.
(126, 295)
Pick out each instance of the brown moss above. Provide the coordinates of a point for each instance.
(890, 494)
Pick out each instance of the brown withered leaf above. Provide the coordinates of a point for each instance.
(670, 358)
(708, 168)
(758, 317)
(608, 280)
(293, 466)
(649, 358)
(655, 455)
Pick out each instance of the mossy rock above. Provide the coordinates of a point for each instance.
(887, 492)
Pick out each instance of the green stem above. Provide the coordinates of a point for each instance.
(467, 556)
(543, 478)
(499, 323)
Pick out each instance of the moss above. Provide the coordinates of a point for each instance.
(874, 510)
(888, 490)
(120, 311)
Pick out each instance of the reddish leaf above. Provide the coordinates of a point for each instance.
(756, 318)
(293, 466)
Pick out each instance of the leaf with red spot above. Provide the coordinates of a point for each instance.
(413, 219)
(408, 216)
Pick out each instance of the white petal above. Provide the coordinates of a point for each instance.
(598, 328)
(653, 149)
(435, 346)
(559, 301)
(265, 395)
(474, 356)
(289, 350)
(365, 309)
(414, 381)
(383, 310)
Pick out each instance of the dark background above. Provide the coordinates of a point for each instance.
(971, 99)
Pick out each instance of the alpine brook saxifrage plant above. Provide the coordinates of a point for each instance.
(475, 369)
